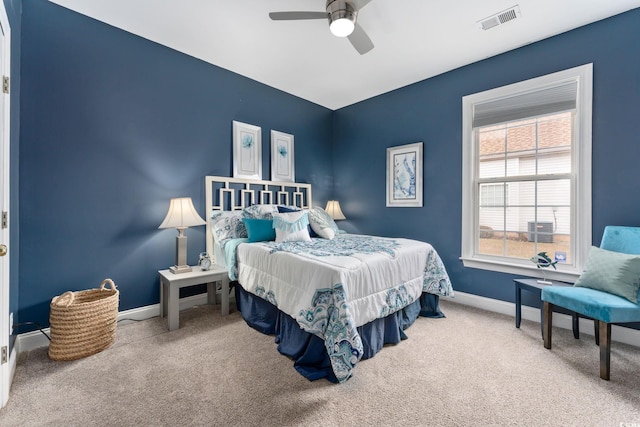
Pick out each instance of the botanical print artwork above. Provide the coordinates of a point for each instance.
(282, 157)
(247, 151)
(282, 162)
(404, 176)
(247, 147)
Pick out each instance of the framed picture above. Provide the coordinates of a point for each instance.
(404, 175)
(247, 151)
(282, 159)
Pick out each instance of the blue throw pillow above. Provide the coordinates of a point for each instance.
(285, 209)
(259, 230)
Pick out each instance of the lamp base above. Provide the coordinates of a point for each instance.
(176, 269)
(544, 282)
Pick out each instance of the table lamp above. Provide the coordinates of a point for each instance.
(181, 215)
(333, 209)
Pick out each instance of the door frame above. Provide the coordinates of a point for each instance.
(6, 369)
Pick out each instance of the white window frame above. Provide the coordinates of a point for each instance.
(581, 239)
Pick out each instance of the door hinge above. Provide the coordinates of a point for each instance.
(5, 84)
(4, 355)
(5, 219)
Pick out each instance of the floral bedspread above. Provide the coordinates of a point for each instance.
(333, 286)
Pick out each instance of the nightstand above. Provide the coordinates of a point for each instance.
(171, 283)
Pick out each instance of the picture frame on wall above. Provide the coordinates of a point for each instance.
(247, 151)
(282, 157)
(404, 175)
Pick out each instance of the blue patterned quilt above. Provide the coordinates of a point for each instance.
(333, 286)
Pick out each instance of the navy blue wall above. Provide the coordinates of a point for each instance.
(112, 127)
(431, 111)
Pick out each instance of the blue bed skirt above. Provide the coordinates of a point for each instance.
(308, 351)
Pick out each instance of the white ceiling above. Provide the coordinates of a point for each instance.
(414, 39)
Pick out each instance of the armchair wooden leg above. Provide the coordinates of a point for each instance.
(596, 330)
(546, 332)
(605, 350)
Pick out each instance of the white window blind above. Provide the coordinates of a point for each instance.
(549, 100)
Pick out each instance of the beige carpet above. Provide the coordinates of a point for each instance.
(473, 368)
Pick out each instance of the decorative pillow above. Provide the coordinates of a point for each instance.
(291, 227)
(260, 211)
(322, 223)
(227, 225)
(612, 272)
(259, 230)
(287, 209)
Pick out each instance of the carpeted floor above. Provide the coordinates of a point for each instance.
(472, 368)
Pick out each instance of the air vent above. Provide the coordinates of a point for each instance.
(500, 18)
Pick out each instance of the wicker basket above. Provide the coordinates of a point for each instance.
(83, 323)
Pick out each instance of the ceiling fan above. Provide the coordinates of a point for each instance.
(342, 15)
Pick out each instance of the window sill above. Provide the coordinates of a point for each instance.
(563, 275)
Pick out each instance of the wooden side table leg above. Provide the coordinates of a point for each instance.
(173, 311)
(605, 350)
(518, 305)
(548, 321)
(225, 295)
(211, 293)
(163, 300)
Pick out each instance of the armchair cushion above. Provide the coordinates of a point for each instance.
(598, 305)
(613, 272)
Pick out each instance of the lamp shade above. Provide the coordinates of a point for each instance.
(333, 209)
(181, 214)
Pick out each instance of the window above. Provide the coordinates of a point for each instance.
(527, 174)
(493, 195)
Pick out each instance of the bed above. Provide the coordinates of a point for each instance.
(330, 300)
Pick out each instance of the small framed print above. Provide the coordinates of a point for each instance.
(282, 158)
(247, 151)
(404, 175)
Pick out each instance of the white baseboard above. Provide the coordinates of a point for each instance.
(618, 333)
(32, 340)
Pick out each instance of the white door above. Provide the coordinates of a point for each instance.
(5, 359)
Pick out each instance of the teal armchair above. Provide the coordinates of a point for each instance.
(605, 308)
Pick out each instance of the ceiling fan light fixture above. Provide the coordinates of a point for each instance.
(342, 18)
(342, 27)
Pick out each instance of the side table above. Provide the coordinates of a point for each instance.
(170, 284)
(532, 285)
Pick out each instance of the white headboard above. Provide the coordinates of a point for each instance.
(234, 194)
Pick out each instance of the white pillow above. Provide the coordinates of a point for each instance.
(322, 223)
(291, 227)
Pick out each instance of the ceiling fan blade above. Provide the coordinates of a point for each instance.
(361, 3)
(290, 16)
(360, 40)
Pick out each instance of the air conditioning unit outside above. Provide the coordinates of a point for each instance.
(542, 229)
